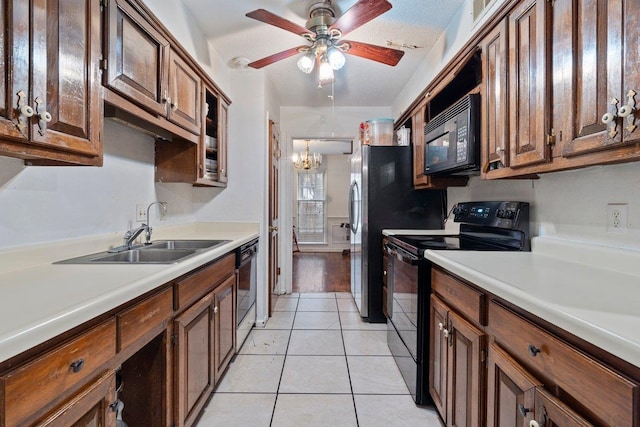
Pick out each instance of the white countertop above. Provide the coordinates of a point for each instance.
(41, 300)
(591, 291)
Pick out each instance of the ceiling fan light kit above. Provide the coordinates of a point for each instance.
(324, 33)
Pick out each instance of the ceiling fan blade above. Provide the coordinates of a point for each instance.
(359, 14)
(277, 21)
(386, 55)
(275, 57)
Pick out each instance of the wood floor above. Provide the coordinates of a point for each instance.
(321, 272)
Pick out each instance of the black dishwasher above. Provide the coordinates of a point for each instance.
(246, 291)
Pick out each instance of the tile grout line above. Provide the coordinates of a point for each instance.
(346, 360)
(284, 361)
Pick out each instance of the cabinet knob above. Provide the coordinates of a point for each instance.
(533, 350)
(26, 111)
(440, 326)
(608, 118)
(523, 411)
(76, 366)
(500, 150)
(445, 332)
(215, 310)
(174, 106)
(45, 116)
(273, 228)
(534, 423)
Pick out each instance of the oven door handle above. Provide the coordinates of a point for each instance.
(401, 254)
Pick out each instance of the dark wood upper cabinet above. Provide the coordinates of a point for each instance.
(50, 88)
(137, 57)
(495, 145)
(528, 95)
(145, 68)
(595, 62)
(185, 92)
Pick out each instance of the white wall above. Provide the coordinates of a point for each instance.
(41, 204)
(572, 204)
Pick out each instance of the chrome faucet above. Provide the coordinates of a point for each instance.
(131, 235)
(163, 208)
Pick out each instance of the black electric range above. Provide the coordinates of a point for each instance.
(484, 226)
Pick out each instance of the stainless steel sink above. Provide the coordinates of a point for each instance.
(160, 252)
(185, 244)
(146, 256)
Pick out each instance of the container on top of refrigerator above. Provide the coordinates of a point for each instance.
(404, 135)
(379, 131)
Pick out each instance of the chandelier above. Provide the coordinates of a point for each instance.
(305, 160)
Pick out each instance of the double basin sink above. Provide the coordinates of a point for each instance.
(159, 252)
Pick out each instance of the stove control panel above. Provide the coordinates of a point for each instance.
(510, 215)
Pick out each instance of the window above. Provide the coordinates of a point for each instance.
(311, 206)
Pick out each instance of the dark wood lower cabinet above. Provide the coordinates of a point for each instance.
(225, 325)
(551, 412)
(194, 337)
(510, 391)
(456, 367)
(90, 407)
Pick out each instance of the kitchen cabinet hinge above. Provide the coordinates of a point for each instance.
(174, 339)
(103, 63)
(551, 138)
(278, 271)
(102, 5)
(483, 356)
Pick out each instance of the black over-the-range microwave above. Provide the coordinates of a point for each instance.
(452, 139)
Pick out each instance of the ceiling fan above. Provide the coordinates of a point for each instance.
(325, 33)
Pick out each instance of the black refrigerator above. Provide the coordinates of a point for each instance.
(381, 196)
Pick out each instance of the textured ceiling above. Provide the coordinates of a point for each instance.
(360, 82)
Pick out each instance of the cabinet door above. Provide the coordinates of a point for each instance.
(465, 377)
(185, 92)
(528, 103)
(495, 152)
(225, 325)
(586, 73)
(438, 347)
(137, 57)
(417, 138)
(14, 57)
(90, 407)
(510, 391)
(631, 64)
(223, 142)
(551, 412)
(194, 331)
(65, 91)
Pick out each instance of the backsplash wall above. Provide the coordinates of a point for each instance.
(41, 204)
(570, 205)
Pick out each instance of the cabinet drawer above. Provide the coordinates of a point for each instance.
(196, 285)
(145, 317)
(465, 299)
(31, 388)
(608, 395)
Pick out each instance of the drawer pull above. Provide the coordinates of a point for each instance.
(77, 365)
(523, 411)
(533, 350)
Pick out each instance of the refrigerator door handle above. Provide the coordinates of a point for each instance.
(355, 216)
(351, 206)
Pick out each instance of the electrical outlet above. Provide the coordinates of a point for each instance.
(141, 213)
(617, 217)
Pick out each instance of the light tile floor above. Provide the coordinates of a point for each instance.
(316, 363)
